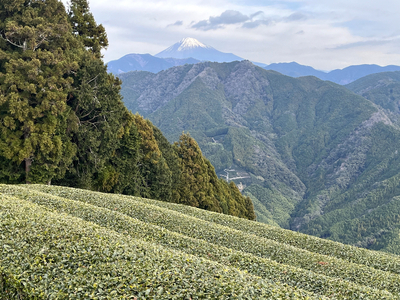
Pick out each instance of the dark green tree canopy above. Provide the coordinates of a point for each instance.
(62, 119)
(94, 36)
(36, 61)
(200, 187)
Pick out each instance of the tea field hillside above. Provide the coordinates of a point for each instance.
(66, 243)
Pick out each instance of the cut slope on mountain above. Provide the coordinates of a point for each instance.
(77, 244)
(190, 47)
(316, 157)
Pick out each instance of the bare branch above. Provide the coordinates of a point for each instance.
(84, 116)
(23, 46)
(93, 79)
(38, 44)
(5, 38)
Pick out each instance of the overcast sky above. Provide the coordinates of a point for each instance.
(324, 34)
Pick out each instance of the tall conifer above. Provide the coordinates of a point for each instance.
(35, 63)
(200, 187)
(153, 168)
(194, 187)
(84, 26)
(101, 117)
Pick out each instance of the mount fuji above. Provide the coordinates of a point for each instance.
(190, 47)
(191, 51)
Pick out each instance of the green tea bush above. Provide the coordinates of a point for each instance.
(47, 255)
(265, 268)
(237, 240)
(378, 260)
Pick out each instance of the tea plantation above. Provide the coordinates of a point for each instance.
(65, 243)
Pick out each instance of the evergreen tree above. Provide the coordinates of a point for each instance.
(127, 162)
(194, 187)
(217, 198)
(239, 205)
(153, 168)
(92, 35)
(249, 208)
(171, 158)
(36, 59)
(102, 121)
(200, 187)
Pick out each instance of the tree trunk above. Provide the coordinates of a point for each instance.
(28, 163)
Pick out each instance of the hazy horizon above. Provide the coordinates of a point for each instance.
(320, 34)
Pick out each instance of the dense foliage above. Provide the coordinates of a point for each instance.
(312, 155)
(382, 89)
(89, 244)
(37, 51)
(47, 255)
(62, 119)
(200, 187)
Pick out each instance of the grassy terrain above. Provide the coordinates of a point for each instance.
(64, 243)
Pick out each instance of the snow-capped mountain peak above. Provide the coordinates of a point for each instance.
(190, 47)
(190, 43)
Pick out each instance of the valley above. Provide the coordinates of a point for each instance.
(313, 156)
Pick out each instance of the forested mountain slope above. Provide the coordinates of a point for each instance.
(382, 89)
(70, 243)
(312, 155)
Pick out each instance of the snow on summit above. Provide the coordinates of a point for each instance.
(188, 43)
(184, 45)
(192, 48)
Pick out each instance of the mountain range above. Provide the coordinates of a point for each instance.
(191, 51)
(146, 62)
(340, 76)
(186, 51)
(313, 155)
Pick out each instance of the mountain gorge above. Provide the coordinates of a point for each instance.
(312, 155)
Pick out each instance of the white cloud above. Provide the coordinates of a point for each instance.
(322, 33)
